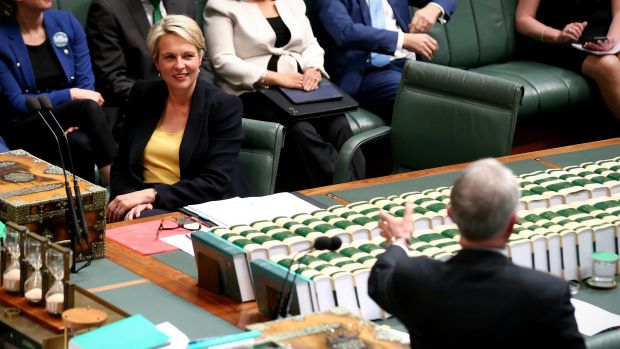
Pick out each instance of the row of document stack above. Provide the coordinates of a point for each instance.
(565, 216)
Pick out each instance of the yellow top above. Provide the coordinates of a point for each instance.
(161, 157)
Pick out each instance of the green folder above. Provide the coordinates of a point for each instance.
(134, 332)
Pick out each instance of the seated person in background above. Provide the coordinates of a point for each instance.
(182, 136)
(44, 52)
(554, 25)
(478, 298)
(116, 32)
(367, 43)
(258, 43)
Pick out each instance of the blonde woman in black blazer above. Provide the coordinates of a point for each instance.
(209, 119)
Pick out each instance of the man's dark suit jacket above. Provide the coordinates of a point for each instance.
(477, 299)
(209, 152)
(116, 31)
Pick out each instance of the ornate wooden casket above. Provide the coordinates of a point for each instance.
(32, 193)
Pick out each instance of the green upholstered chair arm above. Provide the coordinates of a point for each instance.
(343, 163)
(362, 120)
(443, 115)
(606, 340)
(260, 154)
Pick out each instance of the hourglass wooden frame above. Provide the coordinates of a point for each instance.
(23, 264)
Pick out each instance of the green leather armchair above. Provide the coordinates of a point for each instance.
(260, 154)
(444, 116)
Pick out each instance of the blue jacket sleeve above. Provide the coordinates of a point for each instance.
(346, 32)
(448, 5)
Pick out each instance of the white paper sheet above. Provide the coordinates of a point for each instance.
(247, 210)
(178, 339)
(181, 241)
(613, 50)
(592, 319)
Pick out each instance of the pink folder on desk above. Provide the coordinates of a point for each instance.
(141, 237)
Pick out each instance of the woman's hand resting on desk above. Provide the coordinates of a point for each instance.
(128, 206)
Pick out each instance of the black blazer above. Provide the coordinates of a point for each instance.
(116, 31)
(209, 152)
(477, 299)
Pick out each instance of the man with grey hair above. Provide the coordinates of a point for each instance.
(478, 298)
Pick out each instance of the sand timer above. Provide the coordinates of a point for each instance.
(33, 288)
(55, 297)
(12, 274)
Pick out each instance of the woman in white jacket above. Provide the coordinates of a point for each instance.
(261, 43)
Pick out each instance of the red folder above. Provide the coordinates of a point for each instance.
(141, 237)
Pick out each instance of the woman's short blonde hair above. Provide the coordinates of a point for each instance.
(180, 25)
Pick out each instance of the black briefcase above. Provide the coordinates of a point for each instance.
(307, 108)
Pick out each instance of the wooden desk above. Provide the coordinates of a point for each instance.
(181, 284)
(242, 314)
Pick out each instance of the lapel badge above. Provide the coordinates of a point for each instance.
(60, 39)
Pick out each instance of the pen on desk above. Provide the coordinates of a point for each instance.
(217, 340)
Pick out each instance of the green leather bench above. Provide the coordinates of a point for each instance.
(360, 120)
(481, 37)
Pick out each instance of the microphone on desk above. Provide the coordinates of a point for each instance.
(82, 232)
(33, 104)
(284, 298)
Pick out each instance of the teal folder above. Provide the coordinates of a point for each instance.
(134, 332)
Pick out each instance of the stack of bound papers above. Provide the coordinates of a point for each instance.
(237, 210)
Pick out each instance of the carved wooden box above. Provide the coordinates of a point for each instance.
(32, 193)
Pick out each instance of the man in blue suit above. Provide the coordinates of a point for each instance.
(367, 43)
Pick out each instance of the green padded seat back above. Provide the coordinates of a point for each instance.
(79, 8)
(480, 32)
(444, 116)
(260, 154)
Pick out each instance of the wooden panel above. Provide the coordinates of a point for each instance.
(181, 284)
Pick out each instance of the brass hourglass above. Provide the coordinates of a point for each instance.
(55, 296)
(33, 288)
